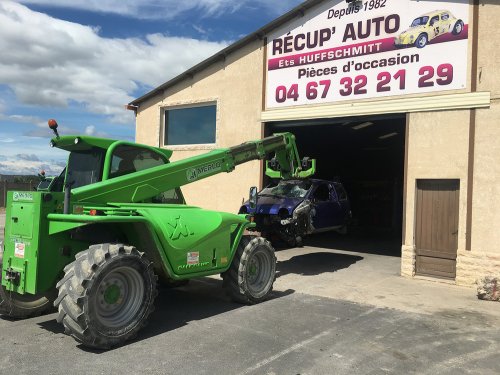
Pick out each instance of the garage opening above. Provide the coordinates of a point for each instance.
(366, 154)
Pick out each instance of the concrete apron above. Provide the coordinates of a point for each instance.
(374, 280)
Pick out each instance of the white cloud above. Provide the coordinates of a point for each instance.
(29, 156)
(91, 130)
(166, 9)
(12, 166)
(47, 61)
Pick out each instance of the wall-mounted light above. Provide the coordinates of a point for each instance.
(387, 135)
(362, 125)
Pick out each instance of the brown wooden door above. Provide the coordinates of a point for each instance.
(436, 232)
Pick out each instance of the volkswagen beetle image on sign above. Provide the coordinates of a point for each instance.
(428, 26)
(293, 209)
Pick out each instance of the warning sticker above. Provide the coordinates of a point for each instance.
(193, 257)
(19, 250)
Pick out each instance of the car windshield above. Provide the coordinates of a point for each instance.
(288, 189)
(420, 21)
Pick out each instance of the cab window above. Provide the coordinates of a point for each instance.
(128, 159)
(172, 196)
(445, 16)
(434, 20)
(85, 167)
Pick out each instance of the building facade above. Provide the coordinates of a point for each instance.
(397, 98)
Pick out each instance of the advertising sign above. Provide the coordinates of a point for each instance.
(368, 49)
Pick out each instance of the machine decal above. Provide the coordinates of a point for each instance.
(189, 266)
(179, 229)
(22, 196)
(193, 174)
(19, 250)
(193, 258)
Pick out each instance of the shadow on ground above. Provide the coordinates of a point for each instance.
(380, 244)
(313, 264)
(176, 307)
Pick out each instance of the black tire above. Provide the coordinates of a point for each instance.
(252, 273)
(299, 242)
(458, 27)
(421, 41)
(106, 295)
(21, 306)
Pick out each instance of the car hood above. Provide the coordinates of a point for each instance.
(413, 31)
(270, 205)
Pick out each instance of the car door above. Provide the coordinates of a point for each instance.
(445, 23)
(325, 207)
(344, 206)
(435, 30)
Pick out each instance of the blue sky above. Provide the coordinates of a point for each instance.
(80, 61)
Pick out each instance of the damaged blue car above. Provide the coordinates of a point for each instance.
(293, 209)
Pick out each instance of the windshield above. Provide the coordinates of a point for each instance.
(288, 189)
(44, 184)
(85, 167)
(420, 21)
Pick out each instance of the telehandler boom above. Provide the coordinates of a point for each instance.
(95, 242)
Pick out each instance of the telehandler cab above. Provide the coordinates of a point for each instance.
(94, 243)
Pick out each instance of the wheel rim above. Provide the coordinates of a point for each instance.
(458, 28)
(259, 272)
(421, 41)
(119, 297)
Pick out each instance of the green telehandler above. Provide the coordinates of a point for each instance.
(95, 242)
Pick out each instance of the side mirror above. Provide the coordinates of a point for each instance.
(253, 197)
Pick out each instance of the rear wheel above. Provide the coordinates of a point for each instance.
(253, 271)
(458, 27)
(20, 306)
(106, 295)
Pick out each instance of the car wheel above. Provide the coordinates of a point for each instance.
(421, 41)
(458, 28)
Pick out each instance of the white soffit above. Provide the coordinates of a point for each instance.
(399, 105)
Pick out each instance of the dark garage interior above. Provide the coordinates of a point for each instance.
(367, 155)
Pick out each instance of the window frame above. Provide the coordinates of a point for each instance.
(187, 105)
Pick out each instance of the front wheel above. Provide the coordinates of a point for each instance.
(106, 295)
(20, 306)
(421, 41)
(253, 271)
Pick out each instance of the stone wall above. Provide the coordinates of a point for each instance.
(473, 265)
